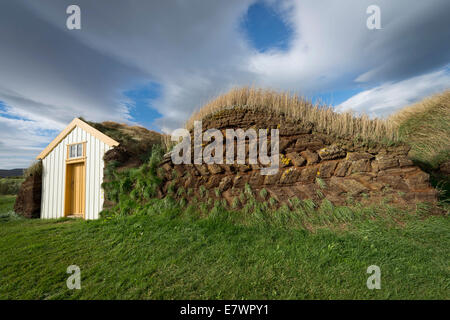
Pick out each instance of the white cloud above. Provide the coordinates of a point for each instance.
(333, 47)
(389, 97)
(21, 141)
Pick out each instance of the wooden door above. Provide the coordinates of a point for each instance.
(75, 185)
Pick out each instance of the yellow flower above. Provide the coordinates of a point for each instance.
(285, 160)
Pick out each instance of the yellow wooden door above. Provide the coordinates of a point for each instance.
(76, 183)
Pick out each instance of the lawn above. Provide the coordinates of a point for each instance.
(169, 253)
(6, 203)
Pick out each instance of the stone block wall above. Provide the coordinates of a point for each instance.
(313, 165)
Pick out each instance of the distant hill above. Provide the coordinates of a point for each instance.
(11, 173)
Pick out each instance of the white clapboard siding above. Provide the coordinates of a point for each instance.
(54, 172)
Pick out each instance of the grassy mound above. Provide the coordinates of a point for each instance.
(420, 126)
(425, 126)
(135, 142)
(125, 134)
(323, 117)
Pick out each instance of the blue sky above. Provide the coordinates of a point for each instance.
(140, 104)
(154, 63)
(265, 28)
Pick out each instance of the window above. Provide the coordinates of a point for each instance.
(75, 150)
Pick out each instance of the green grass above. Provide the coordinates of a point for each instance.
(164, 251)
(424, 126)
(6, 203)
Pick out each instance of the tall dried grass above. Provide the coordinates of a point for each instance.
(426, 127)
(167, 143)
(35, 169)
(324, 118)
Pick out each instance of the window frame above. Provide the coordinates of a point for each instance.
(76, 157)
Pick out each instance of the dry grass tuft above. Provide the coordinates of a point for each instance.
(35, 169)
(425, 126)
(324, 118)
(124, 133)
(167, 143)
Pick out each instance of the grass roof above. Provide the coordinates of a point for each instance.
(324, 118)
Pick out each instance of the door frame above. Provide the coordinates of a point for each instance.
(70, 162)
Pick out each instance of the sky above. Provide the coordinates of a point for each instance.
(152, 63)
